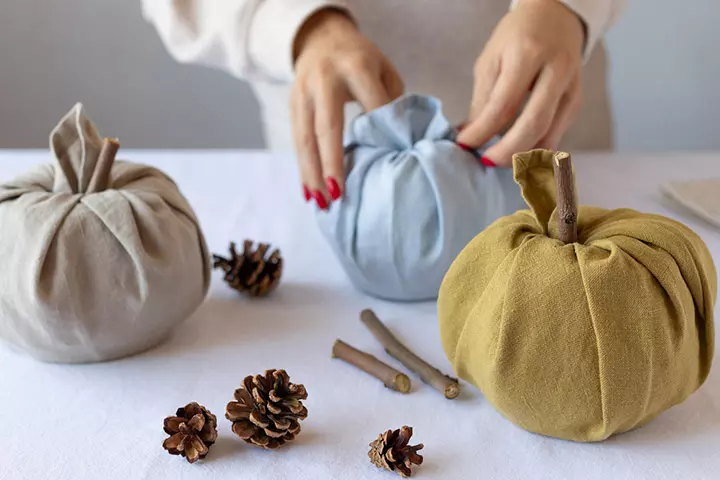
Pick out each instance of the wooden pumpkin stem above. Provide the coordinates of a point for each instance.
(101, 176)
(566, 206)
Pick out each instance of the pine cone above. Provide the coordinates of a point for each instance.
(392, 452)
(251, 272)
(267, 409)
(192, 430)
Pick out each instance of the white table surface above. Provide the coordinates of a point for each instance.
(104, 421)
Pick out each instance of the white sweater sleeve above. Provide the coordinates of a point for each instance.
(251, 39)
(599, 16)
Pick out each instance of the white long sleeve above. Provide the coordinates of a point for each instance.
(599, 16)
(251, 39)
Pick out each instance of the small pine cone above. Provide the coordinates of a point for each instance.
(251, 271)
(392, 452)
(267, 409)
(192, 431)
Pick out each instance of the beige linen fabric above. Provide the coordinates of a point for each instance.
(585, 340)
(92, 274)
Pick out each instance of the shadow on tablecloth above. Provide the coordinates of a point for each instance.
(230, 319)
(697, 419)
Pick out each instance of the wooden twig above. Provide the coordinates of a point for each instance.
(565, 193)
(448, 386)
(364, 361)
(106, 159)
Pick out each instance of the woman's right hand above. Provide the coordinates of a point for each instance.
(335, 64)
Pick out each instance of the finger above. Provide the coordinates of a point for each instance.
(306, 147)
(536, 119)
(368, 89)
(505, 100)
(486, 74)
(567, 111)
(393, 83)
(329, 120)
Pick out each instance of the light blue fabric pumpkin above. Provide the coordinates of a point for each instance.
(413, 200)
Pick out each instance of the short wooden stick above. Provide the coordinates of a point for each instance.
(446, 385)
(565, 197)
(392, 378)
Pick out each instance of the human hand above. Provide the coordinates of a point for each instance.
(335, 64)
(536, 48)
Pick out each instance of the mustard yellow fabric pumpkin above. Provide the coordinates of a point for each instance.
(581, 340)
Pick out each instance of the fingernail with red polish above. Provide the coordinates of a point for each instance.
(465, 147)
(320, 200)
(332, 188)
(306, 193)
(487, 162)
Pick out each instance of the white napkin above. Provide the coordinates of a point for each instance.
(700, 197)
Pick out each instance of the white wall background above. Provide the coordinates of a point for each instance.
(664, 78)
(54, 53)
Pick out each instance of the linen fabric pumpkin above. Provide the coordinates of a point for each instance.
(585, 340)
(413, 199)
(100, 260)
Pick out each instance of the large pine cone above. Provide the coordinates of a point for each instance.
(192, 430)
(251, 272)
(267, 409)
(392, 452)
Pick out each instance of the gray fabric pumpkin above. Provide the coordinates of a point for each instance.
(100, 259)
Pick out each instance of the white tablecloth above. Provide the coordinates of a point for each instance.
(104, 421)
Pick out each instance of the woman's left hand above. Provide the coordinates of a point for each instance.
(536, 49)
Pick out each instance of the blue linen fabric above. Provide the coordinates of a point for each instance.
(413, 199)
